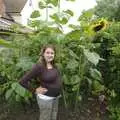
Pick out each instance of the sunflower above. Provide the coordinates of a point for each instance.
(99, 25)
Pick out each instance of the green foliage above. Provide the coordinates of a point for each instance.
(17, 92)
(54, 2)
(115, 113)
(74, 64)
(92, 57)
(108, 9)
(109, 45)
(5, 43)
(89, 59)
(108, 49)
(96, 74)
(87, 15)
(8, 94)
(42, 5)
(114, 105)
(69, 12)
(116, 50)
(35, 14)
(60, 18)
(22, 63)
(97, 88)
(75, 57)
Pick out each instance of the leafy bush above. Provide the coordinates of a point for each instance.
(108, 50)
(75, 58)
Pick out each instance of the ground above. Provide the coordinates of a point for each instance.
(88, 110)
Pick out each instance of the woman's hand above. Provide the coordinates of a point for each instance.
(41, 90)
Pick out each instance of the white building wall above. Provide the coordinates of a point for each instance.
(29, 7)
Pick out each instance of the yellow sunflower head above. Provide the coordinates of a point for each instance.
(99, 25)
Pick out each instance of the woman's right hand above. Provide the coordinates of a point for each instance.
(41, 90)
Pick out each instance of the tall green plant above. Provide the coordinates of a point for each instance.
(75, 55)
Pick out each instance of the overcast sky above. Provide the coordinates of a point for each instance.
(77, 7)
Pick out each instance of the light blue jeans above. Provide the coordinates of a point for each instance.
(48, 108)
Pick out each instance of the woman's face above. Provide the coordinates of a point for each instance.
(49, 55)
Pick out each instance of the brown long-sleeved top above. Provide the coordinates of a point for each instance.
(49, 78)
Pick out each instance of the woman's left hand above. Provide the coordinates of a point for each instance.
(41, 90)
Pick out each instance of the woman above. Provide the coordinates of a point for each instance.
(49, 85)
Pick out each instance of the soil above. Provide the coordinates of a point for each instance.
(89, 110)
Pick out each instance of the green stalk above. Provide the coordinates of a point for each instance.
(64, 98)
(58, 6)
(47, 14)
(81, 74)
(59, 60)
